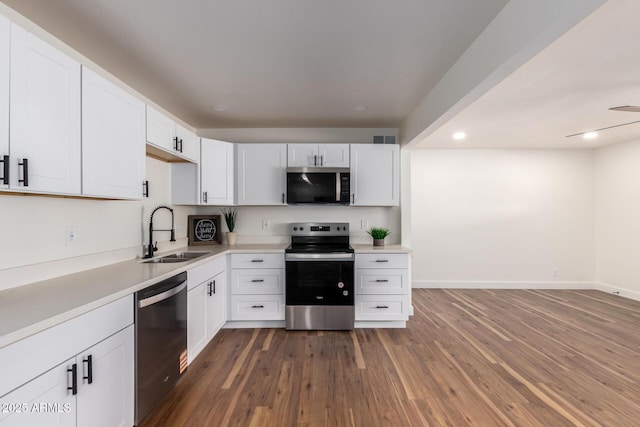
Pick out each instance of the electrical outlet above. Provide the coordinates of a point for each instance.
(554, 273)
(364, 224)
(71, 235)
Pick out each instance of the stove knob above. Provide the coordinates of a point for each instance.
(301, 228)
(295, 228)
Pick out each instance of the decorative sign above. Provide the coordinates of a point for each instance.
(204, 229)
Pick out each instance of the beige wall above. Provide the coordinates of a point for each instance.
(502, 218)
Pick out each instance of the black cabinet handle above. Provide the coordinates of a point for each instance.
(257, 281)
(214, 286)
(382, 306)
(382, 281)
(315, 160)
(353, 198)
(257, 306)
(321, 160)
(74, 379)
(257, 260)
(145, 188)
(25, 172)
(382, 260)
(210, 288)
(282, 198)
(89, 361)
(181, 145)
(175, 143)
(204, 197)
(5, 170)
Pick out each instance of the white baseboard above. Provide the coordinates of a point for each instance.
(626, 293)
(437, 284)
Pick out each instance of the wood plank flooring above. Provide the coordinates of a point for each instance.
(467, 358)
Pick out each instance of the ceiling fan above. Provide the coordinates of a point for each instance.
(629, 108)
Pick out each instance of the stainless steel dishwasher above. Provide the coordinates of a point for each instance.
(161, 341)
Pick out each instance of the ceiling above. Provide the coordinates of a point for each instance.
(276, 63)
(565, 90)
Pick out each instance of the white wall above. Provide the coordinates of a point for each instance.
(502, 218)
(33, 230)
(617, 192)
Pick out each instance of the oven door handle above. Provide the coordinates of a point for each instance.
(319, 257)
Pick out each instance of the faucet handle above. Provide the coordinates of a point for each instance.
(155, 246)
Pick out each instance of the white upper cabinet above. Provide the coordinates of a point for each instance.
(44, 117)
(161, 130)
(318, 155)
(188, 143)
(5, 53)
(169, 137)
(216, 172)
(261, 171)
(375, 175)
(113, 142)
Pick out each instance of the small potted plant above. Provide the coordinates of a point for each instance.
(378, 234)
(230, 215)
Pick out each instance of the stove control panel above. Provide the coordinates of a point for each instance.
(319, 229)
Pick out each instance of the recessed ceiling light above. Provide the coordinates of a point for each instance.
(590, 135)
(359, 108)
(459, 135)
(221, 108)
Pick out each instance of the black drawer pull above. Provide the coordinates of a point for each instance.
(382, 306)
(257, 260)
(257, 281)
(257, 306)
(74, 379)
(5, 170)
(89, 376)
(382, 281)
(25, 172)
(382, 260)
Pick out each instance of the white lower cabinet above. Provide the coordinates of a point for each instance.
(383, 287)
(206, 304)
(44, 385)
(257, 287)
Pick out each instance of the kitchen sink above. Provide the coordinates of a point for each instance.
(176, 257)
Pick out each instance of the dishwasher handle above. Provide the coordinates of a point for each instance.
(162, 296)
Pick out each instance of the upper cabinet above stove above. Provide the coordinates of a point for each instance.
(318, 155)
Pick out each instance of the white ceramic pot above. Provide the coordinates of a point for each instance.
(231, 238)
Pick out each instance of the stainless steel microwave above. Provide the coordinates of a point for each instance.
(318, 186)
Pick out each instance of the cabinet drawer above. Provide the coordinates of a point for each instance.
(381, 281)
(257, 281)
(257, 260)
(381, 307)
(199, 274)
(382, 260)
(257, 307)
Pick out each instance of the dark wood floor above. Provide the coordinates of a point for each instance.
(467, 357)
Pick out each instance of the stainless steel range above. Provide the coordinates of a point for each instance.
(319, 277)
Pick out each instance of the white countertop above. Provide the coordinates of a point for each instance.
(29, 309)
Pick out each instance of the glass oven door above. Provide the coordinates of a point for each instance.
(319, 279)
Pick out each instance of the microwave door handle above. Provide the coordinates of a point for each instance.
(338, 187)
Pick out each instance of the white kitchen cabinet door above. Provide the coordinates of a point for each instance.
(375, 175)
(216, 305)
(299, 155)
(188, 144)
(108, 400)
(216, 172)
(261, 174)
(333, 155)
(5, 63)
(196, 320)
(27, 405)
(113, 142)
(44, 116)
(161, 130)
(318, 155)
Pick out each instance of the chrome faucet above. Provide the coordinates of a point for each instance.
(151, 248)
